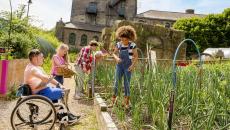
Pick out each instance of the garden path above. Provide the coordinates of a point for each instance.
(83, 107)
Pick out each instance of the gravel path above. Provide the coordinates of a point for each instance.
(83, 107)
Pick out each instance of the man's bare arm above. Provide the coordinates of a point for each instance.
(45, 78)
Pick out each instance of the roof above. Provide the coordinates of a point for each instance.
(213, 51)
(84, 26)
(166, 15)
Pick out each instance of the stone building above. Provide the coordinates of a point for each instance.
(89, 17)
(165, 18)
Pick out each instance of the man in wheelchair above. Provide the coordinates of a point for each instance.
(38, 80)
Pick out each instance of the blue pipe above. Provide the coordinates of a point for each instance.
(175, 57)
(172, 95)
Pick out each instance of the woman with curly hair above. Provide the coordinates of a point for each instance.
(125, 55)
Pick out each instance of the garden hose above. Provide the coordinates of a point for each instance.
(174, 78)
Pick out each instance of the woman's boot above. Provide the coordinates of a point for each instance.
(124, 101)
(127, 102)
(114, 98)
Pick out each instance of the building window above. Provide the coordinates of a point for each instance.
(141, 21)
(121, 9)
(167, 25)
(83, 40)
(96, 38)
(72, 38)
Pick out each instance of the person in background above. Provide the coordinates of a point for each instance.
(125, 55)
(83, 67)
(60, 59)
(38, 80)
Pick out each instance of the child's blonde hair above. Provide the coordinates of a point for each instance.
(126, 31)
(63, 46)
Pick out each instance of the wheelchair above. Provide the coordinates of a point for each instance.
(36, 112)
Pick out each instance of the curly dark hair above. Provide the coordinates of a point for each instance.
(127, 32)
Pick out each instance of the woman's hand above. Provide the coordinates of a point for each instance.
(84, 70)
(64, 66)
(118, 60)
(131, 68)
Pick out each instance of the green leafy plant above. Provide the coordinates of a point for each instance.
(202, 96)
(11, 94)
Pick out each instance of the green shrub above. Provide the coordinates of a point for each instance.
(24, 36)
(11, 94)
(47, 65)
(21, 44)
(72, 57)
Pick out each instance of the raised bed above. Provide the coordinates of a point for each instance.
(104, 119)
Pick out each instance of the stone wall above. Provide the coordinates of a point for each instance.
(162, 40)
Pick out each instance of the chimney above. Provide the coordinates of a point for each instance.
(190, 11)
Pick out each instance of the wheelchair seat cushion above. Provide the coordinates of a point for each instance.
(24, 90)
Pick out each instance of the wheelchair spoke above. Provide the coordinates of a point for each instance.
(21, 124)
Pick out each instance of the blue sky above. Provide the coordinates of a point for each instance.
(47, 12)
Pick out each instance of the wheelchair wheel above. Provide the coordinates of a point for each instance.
(33, 112)
(23, 120)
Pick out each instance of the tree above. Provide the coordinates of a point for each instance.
(24, 36)
(210, 31)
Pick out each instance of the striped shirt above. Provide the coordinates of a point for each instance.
(129, 47)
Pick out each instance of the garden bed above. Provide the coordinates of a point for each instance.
(201, 101)
(104, 119)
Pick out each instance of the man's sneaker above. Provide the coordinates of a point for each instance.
(72, 115)
(73, 119)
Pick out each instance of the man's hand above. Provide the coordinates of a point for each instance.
(84, 70)
(88, 72)
(61, 86)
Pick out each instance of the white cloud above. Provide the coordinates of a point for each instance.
(50, 13)
(45, 13)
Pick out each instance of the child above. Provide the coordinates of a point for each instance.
(83, 67)
(60, 59)
(126, 60)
